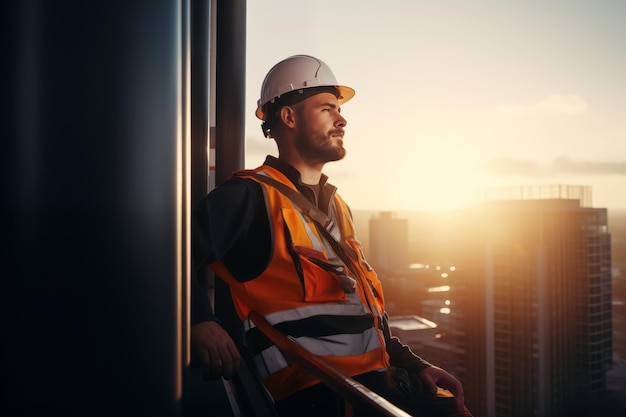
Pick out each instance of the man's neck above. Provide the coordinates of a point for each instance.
(309, 174)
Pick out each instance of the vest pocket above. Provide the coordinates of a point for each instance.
(322, 280)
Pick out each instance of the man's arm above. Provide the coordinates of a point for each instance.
(224, 226)
(212, 348)
(402, 356)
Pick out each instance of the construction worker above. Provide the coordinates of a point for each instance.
(284, 241)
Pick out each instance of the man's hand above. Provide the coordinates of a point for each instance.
(213, 351)
(434, 377)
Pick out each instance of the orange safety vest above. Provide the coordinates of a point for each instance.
(308, 293)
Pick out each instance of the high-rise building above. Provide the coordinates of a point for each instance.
(388, 244)
(535, 271)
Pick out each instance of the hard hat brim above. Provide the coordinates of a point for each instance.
(345, 94)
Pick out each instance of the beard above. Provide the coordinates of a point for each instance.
(320, 147)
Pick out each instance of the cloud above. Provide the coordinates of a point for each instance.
(565, 165)
(513, 167)
(561, 165)
(563, 103)
(555, 103)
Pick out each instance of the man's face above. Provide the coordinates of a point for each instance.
(319, 130)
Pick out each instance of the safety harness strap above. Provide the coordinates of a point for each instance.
(322, 221)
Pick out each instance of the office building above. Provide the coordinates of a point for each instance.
(388, 244)
(535, 268)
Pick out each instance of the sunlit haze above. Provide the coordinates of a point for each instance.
(455, 96)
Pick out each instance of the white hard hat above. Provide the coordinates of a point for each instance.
(298, 72)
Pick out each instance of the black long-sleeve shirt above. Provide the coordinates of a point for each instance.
(231, 224)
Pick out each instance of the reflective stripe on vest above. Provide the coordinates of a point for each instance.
(272, 360)
(347, 331)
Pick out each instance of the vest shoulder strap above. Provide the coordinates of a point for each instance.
(323, 222)
(308, 208)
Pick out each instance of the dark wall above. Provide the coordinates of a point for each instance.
(88, 202)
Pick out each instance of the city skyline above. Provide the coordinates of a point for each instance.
(452, 97)
(530, 304)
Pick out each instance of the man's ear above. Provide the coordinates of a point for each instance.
(288, 116)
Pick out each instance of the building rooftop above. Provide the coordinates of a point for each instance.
(539, 192)
(411, 323)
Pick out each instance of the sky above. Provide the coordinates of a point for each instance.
(455, 96)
